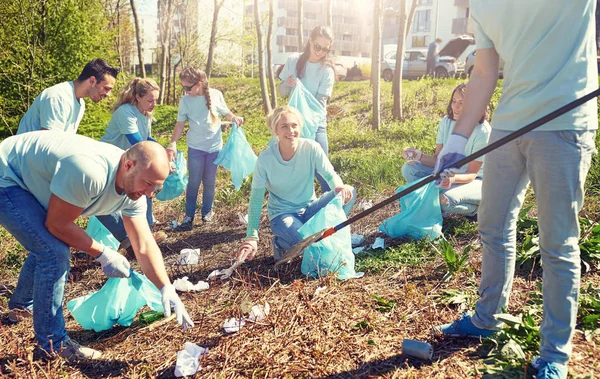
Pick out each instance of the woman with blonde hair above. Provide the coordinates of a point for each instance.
(200, 107)
(286, 169)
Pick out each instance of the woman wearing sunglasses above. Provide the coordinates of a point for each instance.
(200, 107)
(315, 71)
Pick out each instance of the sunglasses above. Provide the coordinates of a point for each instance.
(189, 88)
(318, 48)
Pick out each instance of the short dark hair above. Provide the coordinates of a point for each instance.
(97, 68)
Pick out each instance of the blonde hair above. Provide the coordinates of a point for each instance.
(274, 117)
(137, 86)
(195, 75)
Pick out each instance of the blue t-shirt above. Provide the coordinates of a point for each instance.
(291, 184)
(318, 77)
(127, 119)
(549, 50)
(478, 140)
(202, 134)
(56, 108)
(77, 169)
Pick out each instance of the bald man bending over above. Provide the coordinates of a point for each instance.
(47, 180)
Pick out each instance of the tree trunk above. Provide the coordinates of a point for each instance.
(166, 23)
(300, 25)
(400, 49)
(270, 57)
(213, 36)
(376, 64)
(261, 62)
(138, 39)
(330, 13)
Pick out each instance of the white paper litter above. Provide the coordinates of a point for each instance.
(184, 285)
(357, 239)
(233, 325)
(319, 290)
(357, 250)
(188, 359)
(243, 219)
(379, 243)
(364, 204)
(259, 312)
(188, 257)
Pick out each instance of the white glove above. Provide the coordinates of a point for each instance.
(412, 154)
(452, 152)
(447, 179)
(170, 299)
(114, 264)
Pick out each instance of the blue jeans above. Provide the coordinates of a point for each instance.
(557, 164)
(321, 139)
(201, 170)
(463, 199)
(42, 280)
(114, 222)
(285, 227)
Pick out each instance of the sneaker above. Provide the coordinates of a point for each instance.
(208, 217)
(17, 315)
(160, 236)
(551, 370)
(185, 225)
(463, 327)
(71, 351)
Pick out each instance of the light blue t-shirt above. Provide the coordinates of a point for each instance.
(318, 77)
(478, 140)
(56, 108)
(202, 135)
(291, 184)
(549, 50)
(77, 169)
(126, 119)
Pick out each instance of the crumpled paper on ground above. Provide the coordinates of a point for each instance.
(243, 219)
(379, 243)
(259, 312)
(356, 239)
(188, 257)
(232, 325)
(188, 359)
(364, 204)
(184, 285)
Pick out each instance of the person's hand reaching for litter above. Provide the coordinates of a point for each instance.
(412, 154)
(452, 152)
(170, 300)
(247, 250)
(346, 192)
(113, 264)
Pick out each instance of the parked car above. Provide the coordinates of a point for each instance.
(470, 62)
(415, 61)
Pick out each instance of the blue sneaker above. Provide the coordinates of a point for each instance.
(463, 327)
(551, 370)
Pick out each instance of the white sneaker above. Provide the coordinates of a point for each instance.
(71, 350)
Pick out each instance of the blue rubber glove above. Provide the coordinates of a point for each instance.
(452, 152)
(113, 264)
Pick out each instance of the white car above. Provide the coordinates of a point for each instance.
(470, 62)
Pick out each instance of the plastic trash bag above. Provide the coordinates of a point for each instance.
(420, 216)
(334, 253)
(237, 156)
(117, 302)
(176, 182)
(98, 232)
(312, 111)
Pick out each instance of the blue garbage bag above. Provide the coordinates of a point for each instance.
(313, 112)
(117, 302)
(420, 214)
(98, 232)
(237, 156)
(176, 182)
(334, 253)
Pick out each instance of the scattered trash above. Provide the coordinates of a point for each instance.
(319, 290)
(356, 239)
(259, 312)
(174, 224)
(379, 243)
(364, 204)
(233, 325)
(417, 349)
(357, 250)
(243, 219)
(151, 316)
(184, 285)
(188, 359)
(188, 257)
(223, 274)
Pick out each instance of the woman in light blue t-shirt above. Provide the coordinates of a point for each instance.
(460, 194)
(316, 73)
(200, 107)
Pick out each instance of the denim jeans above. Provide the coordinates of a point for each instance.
(463, 199)
(557, 164)
(321, 139)
(285, 227)
(41, 285)
(114, 222)
(201, 170)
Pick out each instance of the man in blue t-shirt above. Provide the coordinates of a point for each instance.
(549, 48)
(432, 56)
(48, 180)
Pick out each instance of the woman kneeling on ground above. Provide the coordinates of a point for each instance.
(460, 194)
(287, 171)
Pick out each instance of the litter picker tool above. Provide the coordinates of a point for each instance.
(298, 248)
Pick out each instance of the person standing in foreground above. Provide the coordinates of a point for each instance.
(61, 106)
(432, 56)
(550, 53)
(47, 180)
